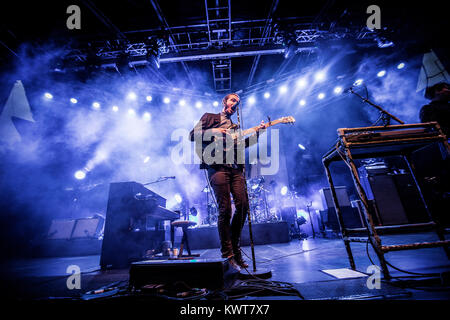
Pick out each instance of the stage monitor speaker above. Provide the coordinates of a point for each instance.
(87, 228)
(61, 229)
(195, 273)
(327, 199)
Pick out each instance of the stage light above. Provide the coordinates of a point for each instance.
(358, 82)
(320, 75)
(148, 98)
(73, 100)
(251, 100)
(301, 83)
(178, 198)
(338, 90)
(302, 102)
(166, 100)
(301, 146)
(321, 96)
(284, 190)
(401, 65)
(147, 159)
(48, 95)
(381, 73)
(131, 96)
(266, 95)
(283, 89)
(115, 108)
(198, 105)
(147, 116)
(215, 103)
(131, 112)
(302, 214)
(80, 174)
(96, 105)
(182, 102)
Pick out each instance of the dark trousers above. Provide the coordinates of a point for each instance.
(225, 181)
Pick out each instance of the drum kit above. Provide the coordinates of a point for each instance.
(262, 208)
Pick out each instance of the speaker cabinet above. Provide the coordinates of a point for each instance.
(387, 199)
(342, 197)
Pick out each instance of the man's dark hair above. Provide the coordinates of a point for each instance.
(224, 100)
(431, 91)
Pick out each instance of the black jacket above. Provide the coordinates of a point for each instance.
(438, 111)
(206, 122)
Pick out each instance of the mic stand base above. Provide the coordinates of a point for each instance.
(260, 273)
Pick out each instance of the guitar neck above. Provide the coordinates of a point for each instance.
(266, 125)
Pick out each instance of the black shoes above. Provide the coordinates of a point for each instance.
(233, 264)
(240, 262)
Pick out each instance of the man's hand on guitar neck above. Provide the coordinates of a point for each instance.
(261, 126)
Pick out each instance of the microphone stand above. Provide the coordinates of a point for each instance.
(158, 180)
(384, 115)
(265, 274)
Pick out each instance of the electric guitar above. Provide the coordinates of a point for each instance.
(235, 135)
(239, 135)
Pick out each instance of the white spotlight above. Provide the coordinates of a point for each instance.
(147, 159)
(401, 65)
(321, 96)
(251, 100)
(302, 102)
(147, 116)
(381, 73)
(131, 112)
(182, 102)
(178, 198)
(338, 90)
(283, 89)
(131, 96)
(96, 105)
(198, 105)
(48, 95)
(284, 190)
(358, 82)
(320, 75)
(80, 175)
(266, 95)
(115, 108)
(73, 100)
(301, 83)
(166, 100)
(148, 98)
(301, 146)
(215, 103)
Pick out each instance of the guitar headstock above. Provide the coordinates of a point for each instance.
(289, 119)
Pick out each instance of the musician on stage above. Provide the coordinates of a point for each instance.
(225, 177)
(438, 109)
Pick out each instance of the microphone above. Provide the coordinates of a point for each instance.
(348, 89)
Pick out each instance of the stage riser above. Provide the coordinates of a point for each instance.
(263, 233)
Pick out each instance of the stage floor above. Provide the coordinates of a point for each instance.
(298, 262)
